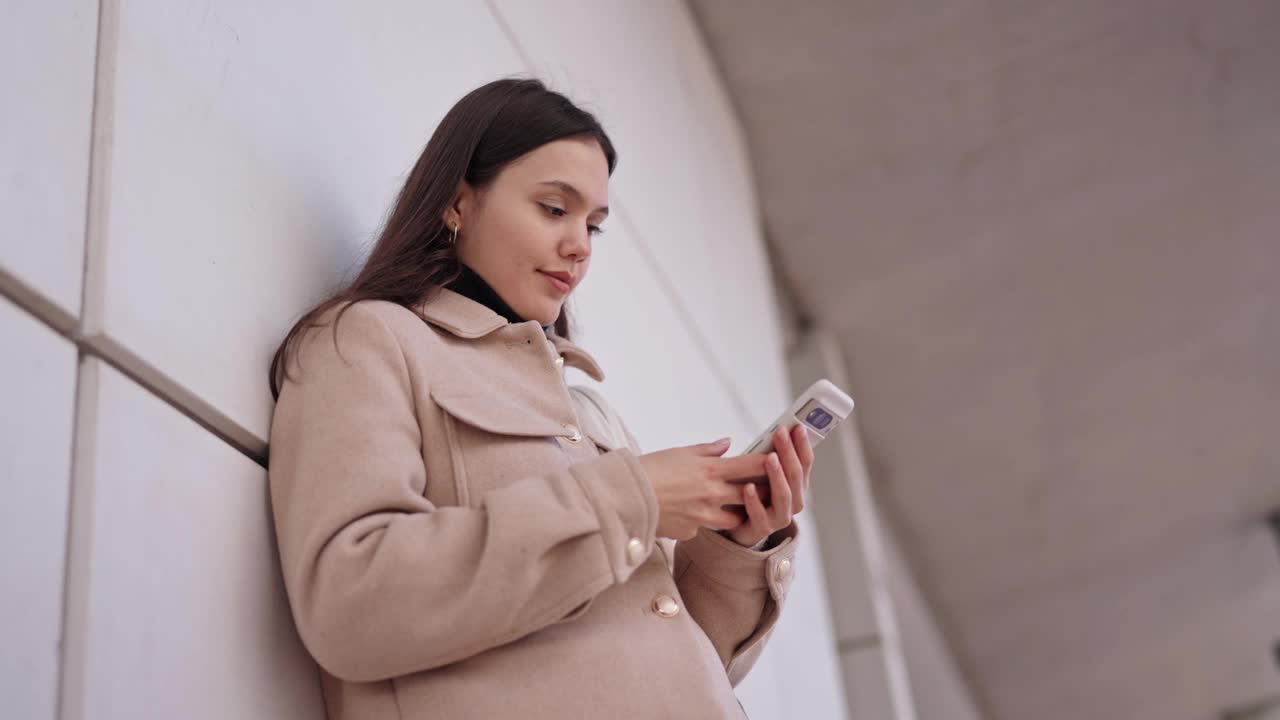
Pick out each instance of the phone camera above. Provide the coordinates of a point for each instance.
(818, 418)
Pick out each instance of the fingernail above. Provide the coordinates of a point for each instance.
(721, 441)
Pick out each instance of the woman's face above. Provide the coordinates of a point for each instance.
(537, 217)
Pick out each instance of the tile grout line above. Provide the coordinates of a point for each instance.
(78, 549)
(510, 35)
(92, 288)
(178, 396)
(69, 702)
(110, 352)
(37, 305)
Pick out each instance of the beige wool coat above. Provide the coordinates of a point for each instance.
(458, 541)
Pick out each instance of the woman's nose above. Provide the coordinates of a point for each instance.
(577, 244)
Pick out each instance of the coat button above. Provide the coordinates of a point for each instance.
(666, 606)
(635, 551)
(782, 570)
(576, 435)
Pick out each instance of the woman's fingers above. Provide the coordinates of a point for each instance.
(780, 502)
(757, 515)
(728, 493)
(806, 458)
(804, 449)
(793, 454)
(726, 519)
(791, 464)
(786, 470)
(739, 467)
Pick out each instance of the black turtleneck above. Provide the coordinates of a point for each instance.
(471, 285)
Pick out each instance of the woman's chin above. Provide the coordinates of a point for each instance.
(545, 314)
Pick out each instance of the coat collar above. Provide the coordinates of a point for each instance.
(575, 356)
(468, 319)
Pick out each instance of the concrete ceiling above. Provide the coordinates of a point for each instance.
(1048, 235)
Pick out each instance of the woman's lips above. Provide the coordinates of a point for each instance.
(556, 282)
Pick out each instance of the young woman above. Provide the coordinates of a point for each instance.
(458, 538)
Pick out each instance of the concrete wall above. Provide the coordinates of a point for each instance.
(182, 179)
(938, 688)
(895, 661)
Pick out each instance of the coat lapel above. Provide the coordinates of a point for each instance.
(499, 375)
(468, 319)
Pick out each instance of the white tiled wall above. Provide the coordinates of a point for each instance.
(255, 150)
(249, 152)
(46, 90)
(184, 615)
(683, 177)
(37, 397)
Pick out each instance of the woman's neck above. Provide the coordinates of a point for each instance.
(471, 285)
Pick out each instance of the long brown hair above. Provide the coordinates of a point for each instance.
(480, 135)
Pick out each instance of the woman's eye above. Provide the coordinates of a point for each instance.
(561, 212)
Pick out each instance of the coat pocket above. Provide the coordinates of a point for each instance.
(494, 442)
(497, 414)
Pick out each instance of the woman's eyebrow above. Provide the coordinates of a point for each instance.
(574, 192)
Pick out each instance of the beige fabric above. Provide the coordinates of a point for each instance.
(454, 546)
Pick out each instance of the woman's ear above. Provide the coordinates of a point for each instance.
(459, 206)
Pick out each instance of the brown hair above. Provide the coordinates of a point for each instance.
(480, 135)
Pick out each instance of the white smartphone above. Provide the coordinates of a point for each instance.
(819, 409)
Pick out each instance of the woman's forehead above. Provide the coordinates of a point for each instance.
(578, 162)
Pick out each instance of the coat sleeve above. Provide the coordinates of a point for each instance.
(734, 593)
(383, 583)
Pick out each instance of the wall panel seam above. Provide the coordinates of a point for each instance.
(702, 345)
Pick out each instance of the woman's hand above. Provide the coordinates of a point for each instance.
(788, 468)
(693, 484)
